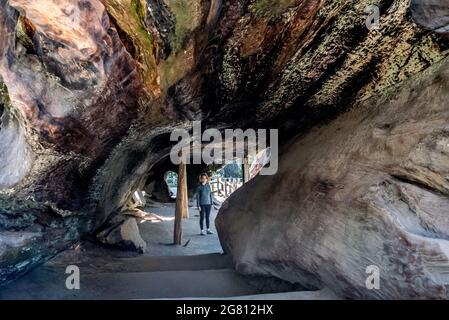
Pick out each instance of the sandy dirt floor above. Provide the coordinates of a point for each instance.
(159, 235)
(198, 269)
(195, 269)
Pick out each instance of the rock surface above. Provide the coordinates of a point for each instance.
(31, 232)
(123, 232)
(432, 14)
(69, 90)
(369, 189)
(90, 91)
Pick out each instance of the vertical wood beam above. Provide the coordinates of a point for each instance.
(182, 203)
(245, 169)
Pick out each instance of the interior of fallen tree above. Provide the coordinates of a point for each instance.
(353, 175)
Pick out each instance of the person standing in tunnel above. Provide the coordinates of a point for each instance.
(204, 202)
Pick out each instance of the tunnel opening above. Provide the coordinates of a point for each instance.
(154, 205)
(172, 181)
(163, 198)
(362, 182)
(143, 251)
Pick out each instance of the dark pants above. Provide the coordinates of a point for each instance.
(205, 213)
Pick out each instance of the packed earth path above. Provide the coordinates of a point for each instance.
(197, 269)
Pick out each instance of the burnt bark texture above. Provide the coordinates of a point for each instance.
(91, 90)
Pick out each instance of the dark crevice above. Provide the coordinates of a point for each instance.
(409, 180)
(25, 34)
(2, 109)
(125, 39)
(3, 101)
(161, 22)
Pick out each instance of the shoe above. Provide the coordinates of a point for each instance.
(202, 233)
(209, 231)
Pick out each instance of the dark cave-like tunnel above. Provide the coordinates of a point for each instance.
(91, 91)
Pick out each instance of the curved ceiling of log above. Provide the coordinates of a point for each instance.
(90, 91)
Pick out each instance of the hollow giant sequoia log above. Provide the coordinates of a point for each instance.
(90, 91)
(371, 188)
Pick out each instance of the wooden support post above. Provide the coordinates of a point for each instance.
(226, 188)
(245, 169)
(185, 195)
(182, 203)
(220, 186)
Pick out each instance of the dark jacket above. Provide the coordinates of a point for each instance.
(203, 195)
